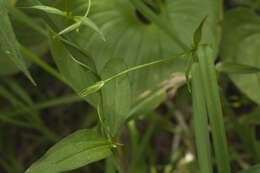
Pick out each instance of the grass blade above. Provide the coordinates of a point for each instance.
(200, 122)
(210, 86)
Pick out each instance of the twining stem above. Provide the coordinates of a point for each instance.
(200, 122)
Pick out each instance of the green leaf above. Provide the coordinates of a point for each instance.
(76, 75)
(236, 68)
(8, 43)
(116, 96)
(76, 150)
(240, 45)
(135, 42)
(253, 169)
(47, 9)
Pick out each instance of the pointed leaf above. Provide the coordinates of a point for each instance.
(116, 95)
(76, 150)
(198, 33)
(8, 42)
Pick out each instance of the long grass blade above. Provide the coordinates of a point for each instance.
(200, 122)
(210, 86)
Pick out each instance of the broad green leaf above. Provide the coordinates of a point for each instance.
(76, 75)
(116, 95)
(236, 68)
(253, 169)
(240, 45)
(76, 150)
(130, 39)
(8, 43)
(47, 9)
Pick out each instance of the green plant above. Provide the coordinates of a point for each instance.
(119, 56)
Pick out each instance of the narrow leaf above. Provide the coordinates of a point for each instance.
(79, 149)
(8, 43)
(198, 33)
(47, 9)
(116, 95)
(236, 68)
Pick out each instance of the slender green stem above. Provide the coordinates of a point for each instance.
(148, 64)
(42, 64)
(88, 9)
(200, 122)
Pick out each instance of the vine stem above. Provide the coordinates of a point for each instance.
(186, 53)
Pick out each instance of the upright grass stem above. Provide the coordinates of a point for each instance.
(211, 92)
(200, 122)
